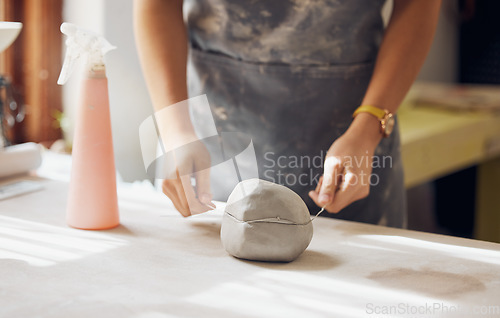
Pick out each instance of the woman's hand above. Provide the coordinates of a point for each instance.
(348, 165)
(406, 41)
(190, 159)
(163, 60)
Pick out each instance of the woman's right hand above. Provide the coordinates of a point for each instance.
(191, 159)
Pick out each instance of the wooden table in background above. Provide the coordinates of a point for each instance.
(438, 142)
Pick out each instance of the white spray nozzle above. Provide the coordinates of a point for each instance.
(81, 43)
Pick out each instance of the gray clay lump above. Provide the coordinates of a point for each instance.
(264, 221)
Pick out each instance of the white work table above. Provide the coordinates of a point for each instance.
(158, 264)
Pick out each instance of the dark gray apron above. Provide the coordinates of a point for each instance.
(290, 75)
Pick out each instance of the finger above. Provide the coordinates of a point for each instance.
(318, 186)
(181, 169)
(203, 186)
(346, 193)
(195, 206)
(314, 195)
(179, 188)
(329, 184)
(180, 203)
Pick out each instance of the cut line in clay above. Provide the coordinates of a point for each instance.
(277, 220)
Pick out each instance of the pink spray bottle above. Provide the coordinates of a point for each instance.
(92, 199)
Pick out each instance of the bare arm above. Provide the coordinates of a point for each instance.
(406, 42)
(161, 39)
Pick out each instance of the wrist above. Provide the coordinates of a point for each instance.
(366, 128)
(179, 128)
(175, 120)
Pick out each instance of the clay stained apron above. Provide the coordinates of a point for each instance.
(289, 76)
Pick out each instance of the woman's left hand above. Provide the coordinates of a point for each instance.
(348, 165)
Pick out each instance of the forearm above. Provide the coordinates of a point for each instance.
(161, 40)
(406, 43)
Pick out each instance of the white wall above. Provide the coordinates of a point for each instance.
(129, 100)
(130, 103)
(88, 14)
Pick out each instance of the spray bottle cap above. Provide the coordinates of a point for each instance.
(82, 43)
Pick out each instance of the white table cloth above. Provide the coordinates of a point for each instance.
(159, 264)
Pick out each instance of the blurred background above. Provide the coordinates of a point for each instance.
(466, 49)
